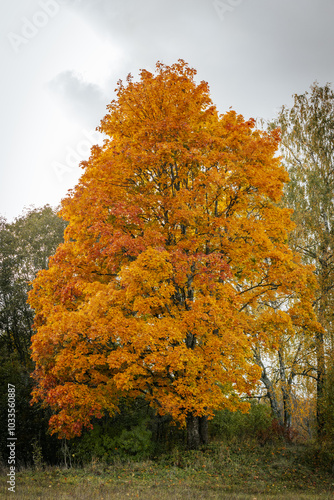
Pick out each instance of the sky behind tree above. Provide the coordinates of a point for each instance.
(63, 58)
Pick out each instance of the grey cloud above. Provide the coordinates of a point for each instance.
(254, 58)
(84, 100)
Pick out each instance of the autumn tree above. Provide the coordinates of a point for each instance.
(308, 155)
(175, 247)
(285, 359)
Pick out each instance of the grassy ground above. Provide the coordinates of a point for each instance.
(223, 471)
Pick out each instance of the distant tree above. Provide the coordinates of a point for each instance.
(25, 246)
(308, 154)
(175, 246)
(286, 358)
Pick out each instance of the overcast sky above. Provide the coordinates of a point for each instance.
(61, 60)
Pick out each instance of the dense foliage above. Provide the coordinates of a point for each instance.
(175, 252)
(308, 155)
(25, 246)
(183, 289)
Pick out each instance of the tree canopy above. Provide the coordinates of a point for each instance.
(307, 147)
(175, 250)
(25, 245)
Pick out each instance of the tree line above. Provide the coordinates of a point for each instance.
(190, 274)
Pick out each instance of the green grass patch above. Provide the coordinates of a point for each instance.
(231, 470)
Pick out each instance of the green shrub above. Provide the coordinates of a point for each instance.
(125, 435)
(328, 404)
(31, 421)
(102, 443)
(228, 425)
(319, 454)
(136, 441)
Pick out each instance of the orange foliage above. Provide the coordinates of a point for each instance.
(174, 246)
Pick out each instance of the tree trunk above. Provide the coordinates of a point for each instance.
(197, 431)
(285, 389)
(270, 388)
(204, 430)
(287, 408)
(320, 382)
(320, 352)
(325, 285)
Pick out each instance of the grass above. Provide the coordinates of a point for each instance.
(221, 471)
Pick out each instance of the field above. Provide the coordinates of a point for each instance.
(222, 471)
